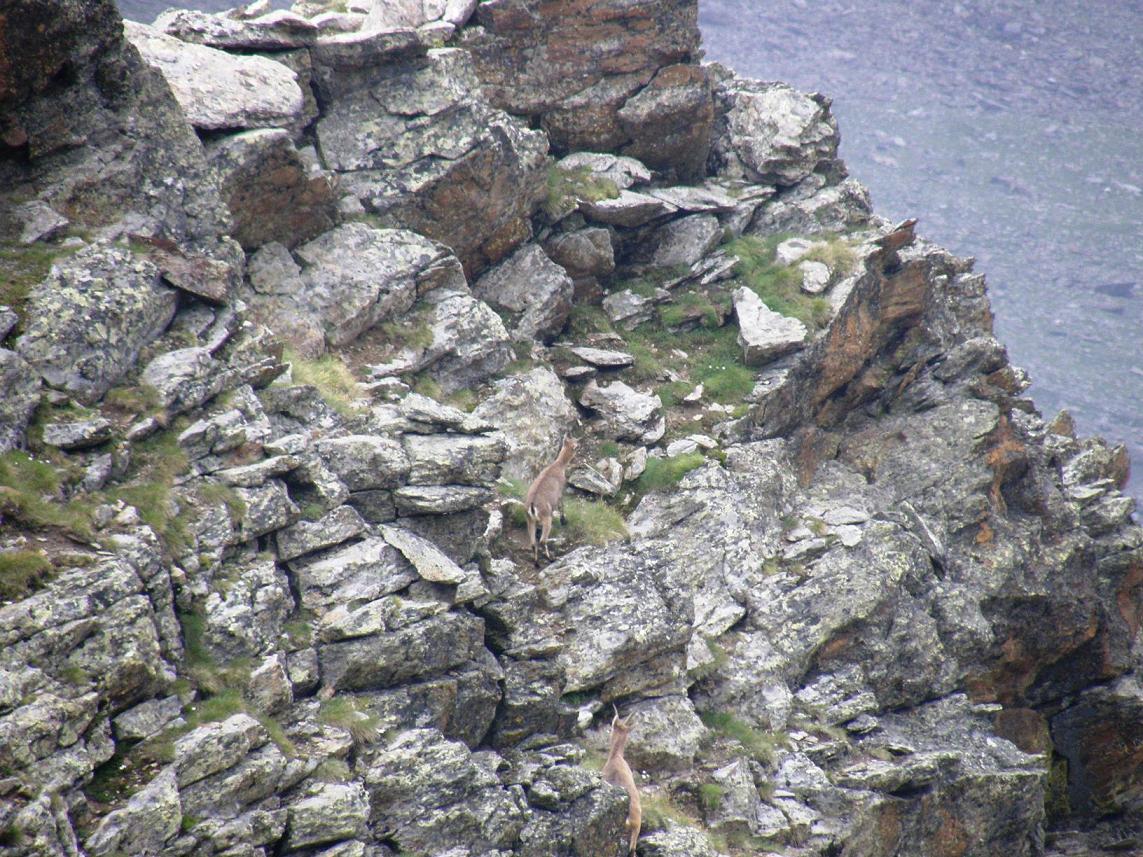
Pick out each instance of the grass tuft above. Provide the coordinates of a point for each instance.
(330, 375)
(593, 522)
(566, 187)
(710, 796)
(344, 712)
(760, 745)
(665, 472)
(23, 572)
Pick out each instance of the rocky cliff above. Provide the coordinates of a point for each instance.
(294, 305)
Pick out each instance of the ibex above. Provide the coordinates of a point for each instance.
(545, 495)
(618, 773)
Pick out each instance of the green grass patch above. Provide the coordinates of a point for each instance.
(332, 770)
(690, 308)
(566, 187)
(759, 744)
(22, 572)
(133, 400)
(344, 712)
(330, 375)
(713, 358)
(299, 631)
(836, 255)
(710, 796)
(22, 268)
(659, 809)
(207, 674)
(31, 494)
(586, 319)
(593, 522)
(779, 286)
(664, 472)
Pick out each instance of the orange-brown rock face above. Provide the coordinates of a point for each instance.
(602, 75)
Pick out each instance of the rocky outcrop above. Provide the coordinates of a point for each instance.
(601, 79)
(425, 162)
(854, 593)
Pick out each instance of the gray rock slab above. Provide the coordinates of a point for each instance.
(602, 357)
(439, 499)
(764, 334)
(629, 209)
(334, 528)
(626, 414)
(218, 90)
(772, 134)
(78, 434)
(429, 561)
(86, 323)
(363, 571)
(686, 240)
(366, 461)
(621, 170)
(529, 283)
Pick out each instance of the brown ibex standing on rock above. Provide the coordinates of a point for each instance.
(545, 495)
(618, 773)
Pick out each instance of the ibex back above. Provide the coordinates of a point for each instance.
(545, 495)
(618, 773)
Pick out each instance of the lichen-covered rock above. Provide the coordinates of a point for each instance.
(362, 462)
(245, 618)
(214, 747)
(19, 395)
(327, 813)
(420, 769)
(669, 735)
(218, 90)
(625, 414)
(442, 459)
(340, 525)
(669, 121)
(422, 648)
(88, 321)
(685, 241)
(185, 378)
(437, 159)
(270, 193)
(533, 413)
(350, 279)
(275, 31)
(363, 571)
(529, 283)
(151, 817)
(772, 134)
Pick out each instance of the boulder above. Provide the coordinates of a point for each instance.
(436, 159)
(629, 209)
(279, 30)
(245, 618)
(268, 189)
(770, 133)
(468, 807)
(185, 378)
(218, 90)
(575, 68)
(87, 322)
(359, 572)
(327, 812)
(151, 817)
(764, 334)
(815, 277)
(668, 735)
(624, 413)
(532, 285)
(585, 253)
(469, 343)
(363, 462)
(19, 396)
(669, 121)
(685, 241)
(356, 276)
(78, 434)
(811, 210)
(334, 528)
(533, 413)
